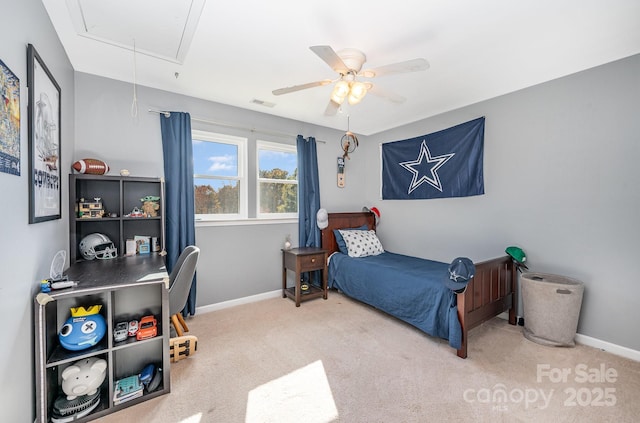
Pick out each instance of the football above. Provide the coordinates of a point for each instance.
(91, 166)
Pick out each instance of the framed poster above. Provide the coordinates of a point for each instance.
(44, 140)
(9, 121)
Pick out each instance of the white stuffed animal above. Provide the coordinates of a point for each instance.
(83, 377)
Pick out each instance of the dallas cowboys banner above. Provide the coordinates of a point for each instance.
(446, 163)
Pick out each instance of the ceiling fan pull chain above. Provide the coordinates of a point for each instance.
(134, 103)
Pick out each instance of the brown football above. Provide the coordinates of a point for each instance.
(91, 166)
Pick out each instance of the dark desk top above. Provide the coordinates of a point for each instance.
(120, 272)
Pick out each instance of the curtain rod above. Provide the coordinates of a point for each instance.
(227, 125)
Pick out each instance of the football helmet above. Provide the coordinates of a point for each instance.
(97, 246)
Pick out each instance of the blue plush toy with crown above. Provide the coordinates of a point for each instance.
(84, 329)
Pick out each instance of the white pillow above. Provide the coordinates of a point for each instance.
(362, 243)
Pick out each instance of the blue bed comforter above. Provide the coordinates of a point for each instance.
(408, 288)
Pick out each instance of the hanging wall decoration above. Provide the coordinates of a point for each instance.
(442, 164)
(9, 121)
(44, 140)
(348, 142)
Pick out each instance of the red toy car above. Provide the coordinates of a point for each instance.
(133, 328)
(148, 328)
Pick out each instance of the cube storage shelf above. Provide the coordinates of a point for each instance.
(119, 195)
(129, 296)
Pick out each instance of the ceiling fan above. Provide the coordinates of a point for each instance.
(348, 64)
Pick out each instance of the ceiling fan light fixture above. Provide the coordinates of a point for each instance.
(357, 92)
(340, 92)
(348, 64)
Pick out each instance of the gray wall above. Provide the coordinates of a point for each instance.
(561, 168)
(237, 261)
(26, 250)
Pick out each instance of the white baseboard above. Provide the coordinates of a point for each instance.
(609, 347)
(239, 301)
(599, 344)
(581, 339)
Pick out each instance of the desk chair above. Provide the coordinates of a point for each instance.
(180, 285)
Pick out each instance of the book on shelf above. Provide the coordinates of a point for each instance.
(127, 389)
(118, 401)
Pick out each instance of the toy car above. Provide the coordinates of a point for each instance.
(121, 331)
(148, 328)
(136, 212)
(133, 327)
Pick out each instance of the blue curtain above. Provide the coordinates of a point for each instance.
(179, 201)
(308, 192)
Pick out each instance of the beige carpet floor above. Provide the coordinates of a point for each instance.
(342, 361)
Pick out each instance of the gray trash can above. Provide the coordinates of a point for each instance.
(551, 308)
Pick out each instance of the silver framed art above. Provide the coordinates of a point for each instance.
(44, 140)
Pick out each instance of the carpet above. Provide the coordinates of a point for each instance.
(338, 360)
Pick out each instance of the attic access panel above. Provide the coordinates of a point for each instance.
(161, 28)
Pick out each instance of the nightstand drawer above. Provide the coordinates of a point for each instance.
(311, 262)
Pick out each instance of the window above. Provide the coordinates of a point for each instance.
(277, 175)
(231, 184)
(220, 179)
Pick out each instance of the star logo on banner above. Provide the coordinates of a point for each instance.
(429, 166)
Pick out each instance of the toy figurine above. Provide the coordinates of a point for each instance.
(84, 329)
(150, 205)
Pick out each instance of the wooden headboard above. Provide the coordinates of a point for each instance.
(344, 221)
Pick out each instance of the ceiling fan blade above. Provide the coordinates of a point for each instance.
(387, 95)
(331, 58)
(413, 65)
(332, 108)
(293, 88)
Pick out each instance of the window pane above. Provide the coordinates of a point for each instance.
(215, 158)
(278, 198)
(217, 196)
(278, 164)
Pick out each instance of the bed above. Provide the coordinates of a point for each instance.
(411, 288)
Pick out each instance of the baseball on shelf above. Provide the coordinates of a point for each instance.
(91, 166)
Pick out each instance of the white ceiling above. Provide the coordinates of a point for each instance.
(237, 52)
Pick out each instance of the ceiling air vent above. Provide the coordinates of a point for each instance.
(263, 103)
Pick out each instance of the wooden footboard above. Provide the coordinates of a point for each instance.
(490, 292)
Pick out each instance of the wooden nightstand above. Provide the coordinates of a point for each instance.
(302, 260)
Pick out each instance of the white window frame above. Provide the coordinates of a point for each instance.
(273, 146)
(241, 144)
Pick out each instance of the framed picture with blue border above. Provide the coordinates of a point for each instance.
(9, 121)
(44, 140)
